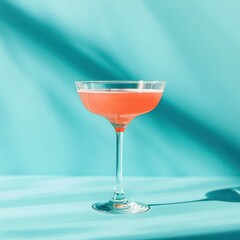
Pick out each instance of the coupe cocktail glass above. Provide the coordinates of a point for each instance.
(120, 102)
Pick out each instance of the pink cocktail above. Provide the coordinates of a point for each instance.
(120, 102)
(120, 106)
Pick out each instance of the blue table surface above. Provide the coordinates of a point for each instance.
(44, 207)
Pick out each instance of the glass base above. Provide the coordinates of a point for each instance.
(120, 208)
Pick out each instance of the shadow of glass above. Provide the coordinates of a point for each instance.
(223, 195)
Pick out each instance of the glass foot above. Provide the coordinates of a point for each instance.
(120, 208)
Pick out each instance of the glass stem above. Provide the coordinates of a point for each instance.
(119, 196)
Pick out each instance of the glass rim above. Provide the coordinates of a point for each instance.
(121, 81)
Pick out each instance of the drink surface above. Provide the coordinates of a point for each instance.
(120, 106)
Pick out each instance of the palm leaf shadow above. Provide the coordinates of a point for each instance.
(200, 132)
(55, 42)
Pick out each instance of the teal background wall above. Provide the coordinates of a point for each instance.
(192, 44)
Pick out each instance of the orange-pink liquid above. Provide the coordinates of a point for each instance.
(120, 106)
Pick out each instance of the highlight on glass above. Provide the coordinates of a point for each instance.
(120, 102)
